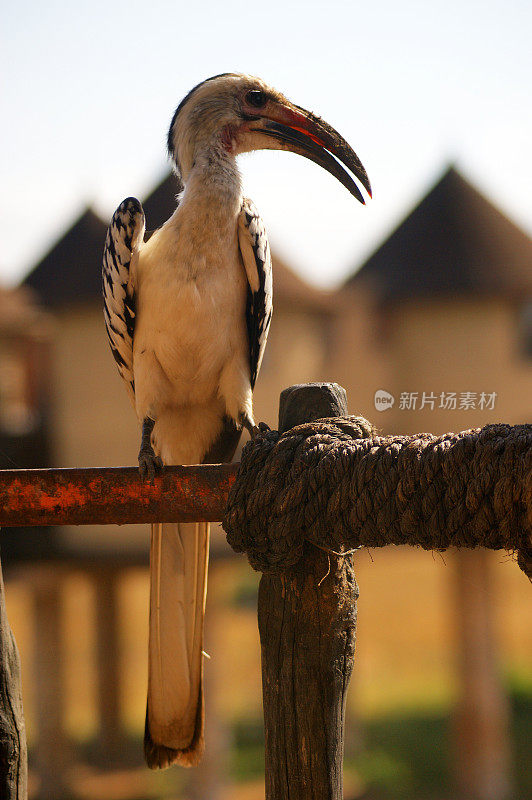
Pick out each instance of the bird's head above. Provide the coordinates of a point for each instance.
(234, 114)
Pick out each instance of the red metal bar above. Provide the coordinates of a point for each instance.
(113, 496)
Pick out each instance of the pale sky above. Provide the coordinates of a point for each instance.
(88, 90)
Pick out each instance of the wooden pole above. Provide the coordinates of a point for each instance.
(482, 717)
(307, 625)
(106, 581)
(13, 754)
(52, 754)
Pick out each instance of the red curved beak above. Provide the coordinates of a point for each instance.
(304, 133)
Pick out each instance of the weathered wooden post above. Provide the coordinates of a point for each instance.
(51, 754)
(13, 754)
(106, 581)
(481, 742)
(307, 625)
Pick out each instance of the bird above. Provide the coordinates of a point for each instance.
(187, 313)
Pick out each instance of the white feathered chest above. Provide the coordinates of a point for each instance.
(192, 290)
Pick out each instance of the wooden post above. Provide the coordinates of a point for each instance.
(13, 754)
(307, 625)
(106, 583)
(482, 717)
(51, 752)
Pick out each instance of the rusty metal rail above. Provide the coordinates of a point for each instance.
(113, 496)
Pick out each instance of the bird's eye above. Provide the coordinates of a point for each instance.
(256, 98)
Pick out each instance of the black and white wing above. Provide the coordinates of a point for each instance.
(120, 256)
(255, 251)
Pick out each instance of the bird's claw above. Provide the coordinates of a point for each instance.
(253, 430)
(150, 465)
(262, 427)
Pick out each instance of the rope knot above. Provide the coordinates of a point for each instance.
(337, 484)
(282, 485)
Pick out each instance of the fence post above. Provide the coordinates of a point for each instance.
(13, 754)
(481, 740)
(307, 625)
(106, 583)
(52, 751)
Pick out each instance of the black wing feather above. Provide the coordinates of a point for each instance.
(124, 237)
(255, 251)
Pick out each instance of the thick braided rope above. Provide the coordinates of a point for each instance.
(337, 484)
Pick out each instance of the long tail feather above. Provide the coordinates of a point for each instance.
(179, 554)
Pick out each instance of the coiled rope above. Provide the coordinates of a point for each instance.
(339, 485)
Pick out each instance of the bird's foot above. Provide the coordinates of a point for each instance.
(150, 465)
(249, 424)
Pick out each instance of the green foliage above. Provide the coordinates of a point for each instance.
(247, 757)
(401, 757)
(246, 587)
(404, 757)
(522, 736)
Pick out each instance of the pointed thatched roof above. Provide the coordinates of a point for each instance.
(454, 243)
(70, 272)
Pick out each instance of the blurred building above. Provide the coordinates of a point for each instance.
(26, 333)
(442, 309)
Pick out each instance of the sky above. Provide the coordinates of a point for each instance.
(88, 91)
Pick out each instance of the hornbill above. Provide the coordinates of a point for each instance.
(187, 313)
